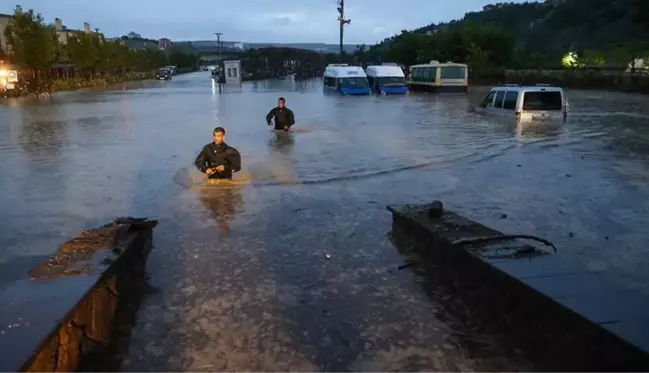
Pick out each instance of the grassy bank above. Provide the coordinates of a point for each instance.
(103, 81)
(601, 79)
(32, 88)
(99, 81)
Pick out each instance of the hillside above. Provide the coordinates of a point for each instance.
(554, 27)
(319, 47)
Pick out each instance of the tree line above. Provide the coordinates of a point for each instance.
(477, 45)
(576, 33)
(34, 44)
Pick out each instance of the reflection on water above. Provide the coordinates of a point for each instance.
(222, 203)
(293, 271)
(283, 142)
(532, 131)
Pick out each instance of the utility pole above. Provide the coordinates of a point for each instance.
(218, 44)
(218, 53)
(343, 22)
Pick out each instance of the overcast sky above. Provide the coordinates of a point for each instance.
(250, 20)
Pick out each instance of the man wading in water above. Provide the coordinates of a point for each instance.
(284, 117)
(218, 160)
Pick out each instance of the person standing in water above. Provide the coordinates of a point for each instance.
(284, 117)
(218, 160)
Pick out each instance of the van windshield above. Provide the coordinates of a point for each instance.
(394, 81)
(548, 101)
(357, 82)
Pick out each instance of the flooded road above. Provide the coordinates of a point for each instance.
(275, 276)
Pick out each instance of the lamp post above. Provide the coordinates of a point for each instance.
(343, 22)
(218, 44)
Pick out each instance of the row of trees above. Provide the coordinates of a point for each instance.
(593, 33)
(484, 46)
(475, 44)
(33, 44)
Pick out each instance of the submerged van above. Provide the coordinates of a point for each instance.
(539, 102)
(386, 79)
(345, 79)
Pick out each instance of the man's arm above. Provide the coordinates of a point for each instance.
(234, 160)
(200, 161)
(291, 118)
(270, 116)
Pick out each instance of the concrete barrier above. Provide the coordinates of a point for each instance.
(65, 315)
(534, 303)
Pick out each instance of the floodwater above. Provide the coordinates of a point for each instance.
(296, 271)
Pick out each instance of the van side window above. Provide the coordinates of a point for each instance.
(510, 100)
(500, 97)
(488, 101)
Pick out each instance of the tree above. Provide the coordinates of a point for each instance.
(83, 51)
(480, 45)
(30, 41)
(477, 57)
(180, 58)
(116, 55)
(592, 58)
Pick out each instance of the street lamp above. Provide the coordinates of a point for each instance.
(343, 22)
(218, 43)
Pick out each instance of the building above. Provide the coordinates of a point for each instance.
(232, 71)
(4, 22)
(133, 35)
(63, 33)
(164, 43)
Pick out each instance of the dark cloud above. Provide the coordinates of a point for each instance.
(251, 20)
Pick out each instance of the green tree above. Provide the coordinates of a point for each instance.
(360, 54)
(116, 55)
(477, 57)
(83, 51)
(181, 58)
(470, 42)
(30, 41)
(592, 58)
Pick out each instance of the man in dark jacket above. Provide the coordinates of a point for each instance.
(284, 117)
(218, 160)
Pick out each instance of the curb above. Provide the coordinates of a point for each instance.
(71, 304)
(530, 300)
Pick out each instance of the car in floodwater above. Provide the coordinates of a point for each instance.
(386, 79)
(163, 74)
(526, 103)
(173, 69)
(346, 80)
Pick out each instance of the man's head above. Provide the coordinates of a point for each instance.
(281, 102)
(219, 135)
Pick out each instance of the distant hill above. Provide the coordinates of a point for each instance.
(554, 27)
(320, 47)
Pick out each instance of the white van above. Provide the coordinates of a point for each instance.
(541, 101)
(387, 78)
(345, 79)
